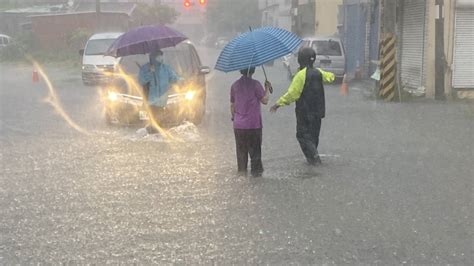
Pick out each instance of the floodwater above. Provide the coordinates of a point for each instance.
(395, 186)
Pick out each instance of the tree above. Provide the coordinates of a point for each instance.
(230, 16)
(157, 14)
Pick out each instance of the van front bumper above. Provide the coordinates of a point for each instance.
(96, 78)
(131, 108)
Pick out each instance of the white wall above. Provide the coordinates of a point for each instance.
(276, 13)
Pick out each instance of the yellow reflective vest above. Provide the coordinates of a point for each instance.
(297, 86)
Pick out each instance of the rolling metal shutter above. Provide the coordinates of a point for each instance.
(463, 74)
(412, 44)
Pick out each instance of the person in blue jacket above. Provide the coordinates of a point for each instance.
(158, 78)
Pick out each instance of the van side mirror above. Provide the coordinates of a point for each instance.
(204, 70)
(81, 52)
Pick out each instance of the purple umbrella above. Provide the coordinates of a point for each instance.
(145, 39)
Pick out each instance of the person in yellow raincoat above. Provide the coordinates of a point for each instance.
(307, 90)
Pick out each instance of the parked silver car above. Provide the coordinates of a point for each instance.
(330, 55)
(5, 40)
(221, 42)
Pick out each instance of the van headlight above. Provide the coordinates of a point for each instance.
(189, 95)
(113, 96)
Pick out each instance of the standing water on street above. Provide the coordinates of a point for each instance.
(236, 132)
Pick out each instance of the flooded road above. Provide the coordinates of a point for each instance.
(395, 186)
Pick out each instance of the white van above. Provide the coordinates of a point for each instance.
(94, 63)
(330, 55)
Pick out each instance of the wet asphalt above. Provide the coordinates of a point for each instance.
(395, 186)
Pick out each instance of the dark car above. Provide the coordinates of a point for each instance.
(186, 100)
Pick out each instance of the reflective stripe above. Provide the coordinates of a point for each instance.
(328, 77)
(297, 86)
(295, 89)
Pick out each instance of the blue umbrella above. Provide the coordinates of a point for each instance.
(255, 48)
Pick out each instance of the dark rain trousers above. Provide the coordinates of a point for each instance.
(310, 109)
(307, 132)
(249, 143)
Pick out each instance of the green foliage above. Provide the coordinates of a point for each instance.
(230, 16)
(24, 44)
(18, 48)
(25, 40)
(24, 47)
(61, 58)
(6, 5)
(149, 15)
(77, 39)
(11, 53)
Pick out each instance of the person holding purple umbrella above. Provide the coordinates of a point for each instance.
(157, 77)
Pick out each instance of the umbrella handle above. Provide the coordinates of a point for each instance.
(265, 74)
(263, 68)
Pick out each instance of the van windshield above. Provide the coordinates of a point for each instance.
(181, 58)
(327, 47)
(98, 47)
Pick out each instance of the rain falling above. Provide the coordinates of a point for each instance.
(275, 132)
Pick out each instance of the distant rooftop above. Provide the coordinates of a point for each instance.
(38, 9)
(126, 8)
(82, 7)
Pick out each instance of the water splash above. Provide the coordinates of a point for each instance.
(184, 133)
(53, 100)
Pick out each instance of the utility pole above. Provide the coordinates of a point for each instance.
(294, 17)
(440, 60)
(97, 14)
(388, 50)
(389, 16)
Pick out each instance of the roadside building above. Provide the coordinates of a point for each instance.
(462, 44)
(304, 17)
(416, 45)
(16, 21)
(54, 30)
(276, 13)
(359, 23)
(326, 17)
(297, 16)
